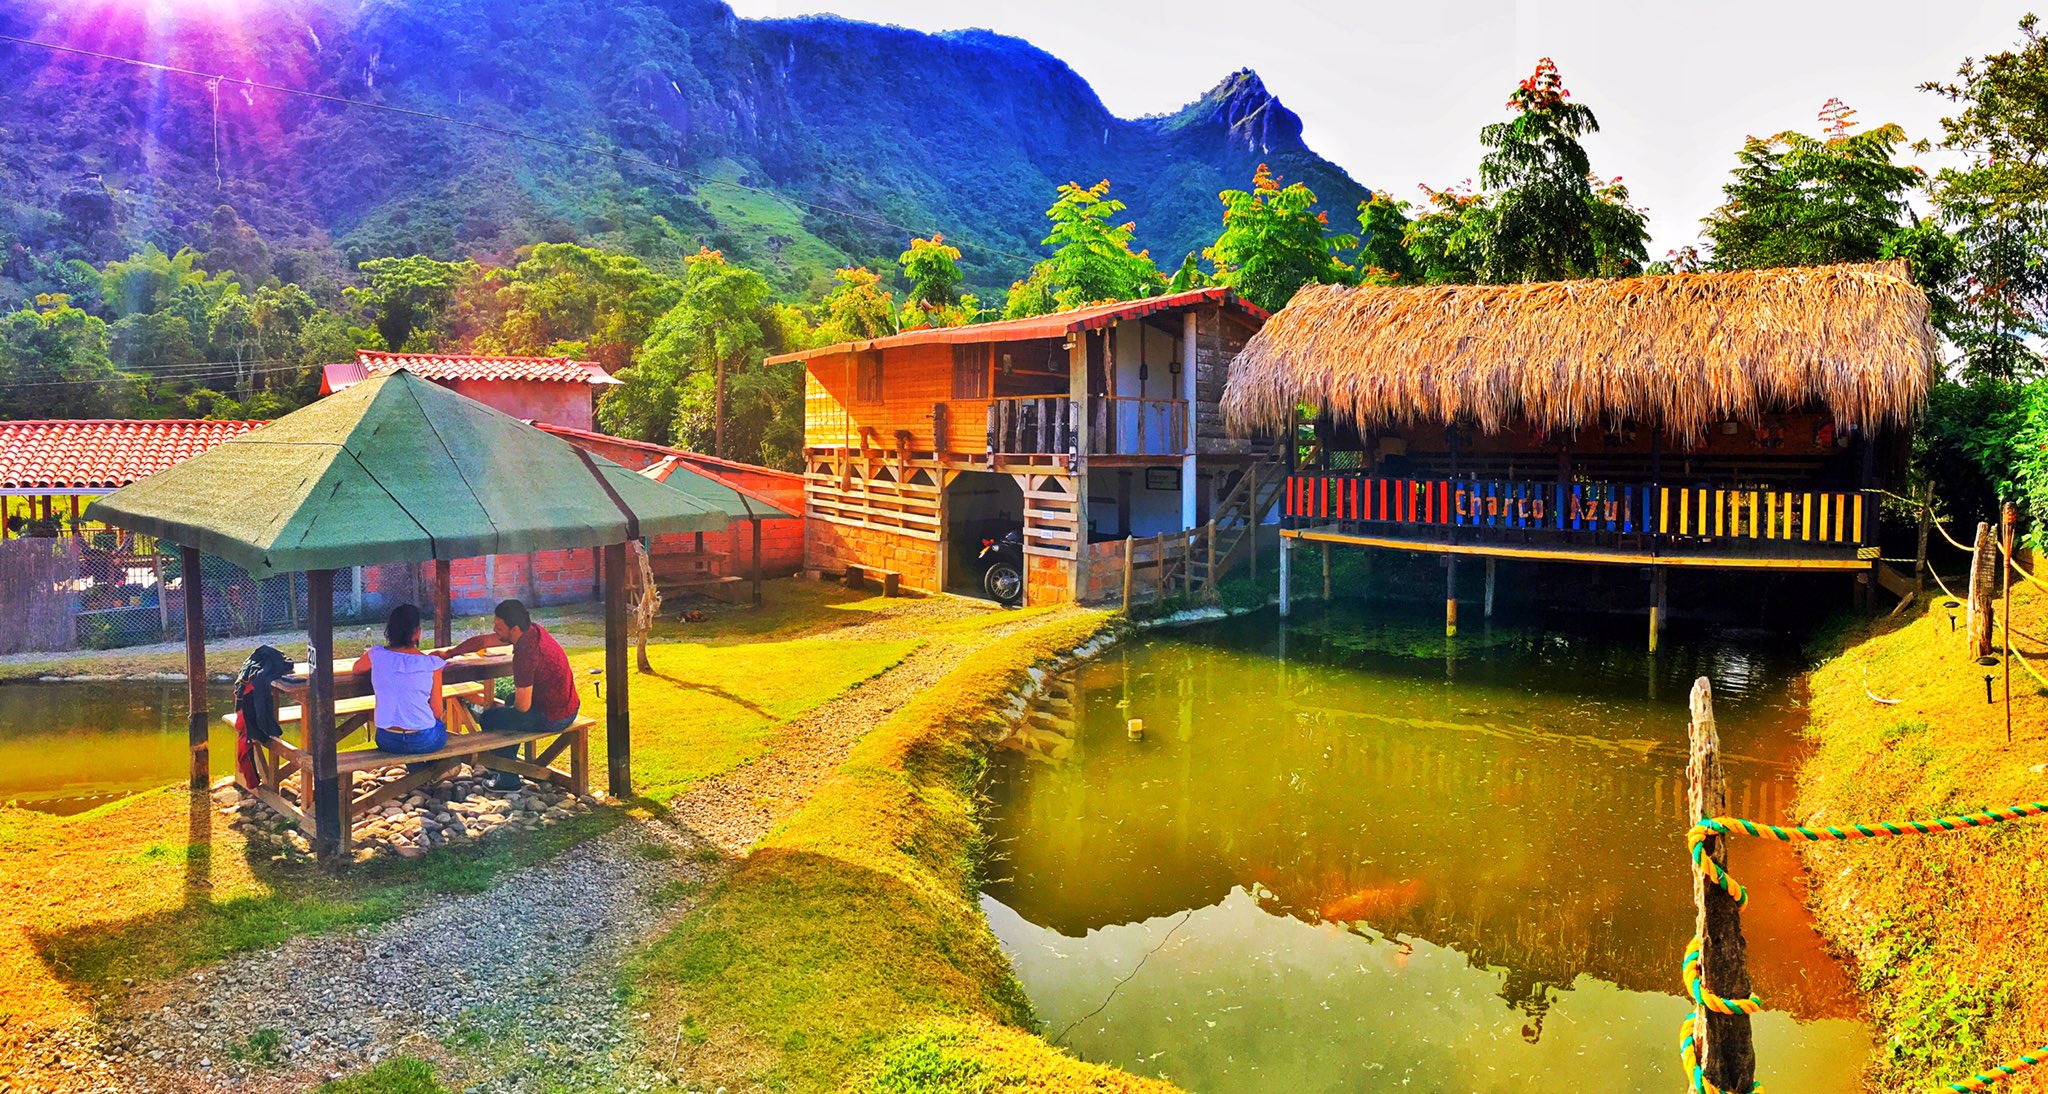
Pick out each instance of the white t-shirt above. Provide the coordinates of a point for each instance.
(404, 683)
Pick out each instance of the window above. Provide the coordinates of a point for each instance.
(970, 371)
(868, 388)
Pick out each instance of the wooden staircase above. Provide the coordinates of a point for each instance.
(1221, 545)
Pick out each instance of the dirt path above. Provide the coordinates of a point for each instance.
(521, 979)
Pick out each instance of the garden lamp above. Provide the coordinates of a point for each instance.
(1951, 605)
(1987, 661)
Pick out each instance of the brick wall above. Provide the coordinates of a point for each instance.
(830, 546)
(1047, 580)
(1105, 571)
(476, 585)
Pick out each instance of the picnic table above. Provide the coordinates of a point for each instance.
(468, 678)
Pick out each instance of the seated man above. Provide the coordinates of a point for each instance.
(544, 698)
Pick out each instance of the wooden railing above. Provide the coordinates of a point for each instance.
(1656, 510)
(1026, 425)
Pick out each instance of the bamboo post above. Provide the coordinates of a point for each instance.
(1726, 1053)
(330, 819)
(1920, 544)
(618, 728)
(1127, 572)
(195, 664)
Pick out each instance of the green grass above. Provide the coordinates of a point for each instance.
(401, 1076)
(852, 930)
(1949, 932)
(764, 218)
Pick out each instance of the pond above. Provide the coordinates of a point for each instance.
(66, 747)
(1343, 857)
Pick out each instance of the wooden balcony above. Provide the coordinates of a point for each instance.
(1710, 525)
(1033, 425)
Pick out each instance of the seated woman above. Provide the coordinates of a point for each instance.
(408, 686)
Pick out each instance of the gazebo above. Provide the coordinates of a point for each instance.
(397, 469)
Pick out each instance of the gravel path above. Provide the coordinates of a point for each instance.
(521, 980)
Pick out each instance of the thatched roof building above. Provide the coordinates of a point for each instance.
(1679, 349)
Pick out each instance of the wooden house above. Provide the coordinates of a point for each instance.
(1738, 420)
(1085, 428)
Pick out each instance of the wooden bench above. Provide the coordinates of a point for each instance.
(889, 579)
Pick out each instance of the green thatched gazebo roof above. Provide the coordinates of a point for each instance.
(398, 469)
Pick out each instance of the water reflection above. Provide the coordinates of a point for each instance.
(66, 747)
(1512, 805)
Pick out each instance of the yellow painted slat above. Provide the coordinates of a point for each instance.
(1663, 510)
(1789, 507)
(1838, 517)
(1824, 507)
(1770, 514)
(1720, 513)
(1806, 517)
(1859, 518)
(1626, 558)
(1685, 512)
(1752, 514)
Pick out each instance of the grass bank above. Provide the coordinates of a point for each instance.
(848, 951)
(156, 883)
(1949, 933)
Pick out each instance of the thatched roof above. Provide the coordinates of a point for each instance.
(1678, 349)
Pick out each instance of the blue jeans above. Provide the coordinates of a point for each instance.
(510, 719)
(413, 741)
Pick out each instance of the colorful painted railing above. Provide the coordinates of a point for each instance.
(1826, 517)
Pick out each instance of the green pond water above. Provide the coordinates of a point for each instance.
(67, 747)
(1343, 858)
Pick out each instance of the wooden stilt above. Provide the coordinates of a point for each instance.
(1450, 596)
(330, 821)
(1726, 1052)
(195, 665)
(1492, 564)
(1286, 574)
(618, 729)
(1326, 572)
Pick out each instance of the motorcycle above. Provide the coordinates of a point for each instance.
(1002, 568)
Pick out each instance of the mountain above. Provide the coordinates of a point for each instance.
(793, 144)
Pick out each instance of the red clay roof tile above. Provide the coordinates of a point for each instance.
(101, 454)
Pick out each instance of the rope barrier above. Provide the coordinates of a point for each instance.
(1932, 572)
(1951, 539)
(1917, 503)
(1706, 867)
(2030, 577)
(2031, 671)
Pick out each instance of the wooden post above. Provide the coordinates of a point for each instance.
(1920, 541)
(2008, 517)
(1726, 1052)
(756, 522)
(1251, 514)
(1083, 440)
(1326, 573)
(1209, 535)
(1286, 573)
(195, 664)
(1656, 605)
(618, 734)
(163, 599)
(1450, 596)
(330, 819)
(1983, 585)
(1187, 564)
(1487, 611)
(444, 625)
(1127, 572)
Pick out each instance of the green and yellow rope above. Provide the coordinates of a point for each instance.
(1705, 1001)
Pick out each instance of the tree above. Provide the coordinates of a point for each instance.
(1800, 200)
(1383, 226)
(859, 308)
(714, 328)
(1446, 241)
(1546, 220)
(1092, 260)
(1996, 207)
(567, 300)
(407, 298)
(1274, 241)
(932, 266)
(54, 364)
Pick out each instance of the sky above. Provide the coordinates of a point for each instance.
(1395, 93)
